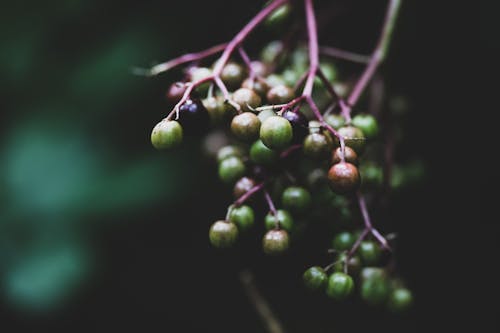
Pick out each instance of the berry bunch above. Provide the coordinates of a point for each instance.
(289, 136)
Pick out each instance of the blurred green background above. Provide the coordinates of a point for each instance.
(98, 227)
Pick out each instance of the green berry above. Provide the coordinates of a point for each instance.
(366, 123)
(275, 242)
(353, 264)
(200, 73)
(372, 272)
(400, 300)
(232, 75)
(315, 278)
(296, 199)
(166, 134)
(276, 132)
(280, 94)
(243, 217)
(270, 51)
(223, 234)
(229, 151)
(231, 169)
(339, 286)
(343, 241)
(314, 126)
(369, 252)
(263, 115)
(353, 137)
(246, 126)
(247, 99)
(375, 290)
(259, 86)
(242, 186)
(260, 154)
(335, 120)
(318, 145)
(274, 80)
(283, 217)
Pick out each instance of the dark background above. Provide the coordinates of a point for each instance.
(99, 231)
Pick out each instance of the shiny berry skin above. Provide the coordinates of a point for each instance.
(232, 75)
(247, 99)
(229, 151)
(335, 120)
(276, 132)
(263, 115)
(280, 94)
(275, 242)
(343, 241)
(175, 92)
(246, 126)
(260, 154)
(350, 155)
(375, 290)
(315, 278)
(372, 272)
(299, 124)
(166, 134)
(223, 234)
(367, 124)
(296, 199)
(259, 86)
(369, 252)
(400, 300)
(284, 218)
(339, 286)
(231, 169)
(243, 217)
(353, 137)
(194, 117)
(219, 111)
(343, 178)
(242, 186)
(317, 145)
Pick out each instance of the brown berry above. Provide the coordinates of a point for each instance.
(280, 94)
(349, 155)
(343, 177)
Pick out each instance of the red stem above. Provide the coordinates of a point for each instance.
(345, 55)
(248, 194)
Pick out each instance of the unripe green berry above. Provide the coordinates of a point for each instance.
(259, 86)
(229, 151)
(231, 169)
(282, 217)
(270, 51)
(317, 145)
(260, 154)
(247, 99)
(166, 134)
(335, 120)
(353, 264)
(296, 199)
(400, 300)
(343, 241)
(246, 126)
(367, 124)
(263, 115)
(223, 234)
(353, 137)
(232, 75)
(315, 278)
(369, 252)
(276, 132)
(275, 242)
(274, 80)
(280, 94)
(339, 286)
(375, 290)
(243, 217)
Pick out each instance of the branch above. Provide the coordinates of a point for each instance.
(345, 55)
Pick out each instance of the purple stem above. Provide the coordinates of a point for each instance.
(248, 194)
(368, 224)
(345, 55)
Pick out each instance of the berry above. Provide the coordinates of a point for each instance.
(343, 241)
(283, 217)
(367, 124)
(280, 94)
(369, 252)
(229, 151)
(353, 137)
(219, 111)
(263, 115)
(194, 117)
(271, 51)
(275, 242)
(318, 145)
(296, 199)
(247, 99)
(242, 216)
(259, 86)
(259, 68)
(353, 264)
(246, 126)
(400, 300)
(242, 186)
(175, 92)
(260, 154)
(223, 234)
(343, 178)
(339, 286)
(232, 75)
(315, 278)
(350, 155)
(299, 125)
(166, 134)
(274, 80)
(276, 132)
(372, 272)
(231, 169)
(200, 73)
(335, 120)
(375, 290)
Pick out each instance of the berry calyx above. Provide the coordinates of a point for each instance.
(339, 286)
(275, 242)
(276, 132)
(223, 234)
(315, 278)
(343, 178)
(166, 134)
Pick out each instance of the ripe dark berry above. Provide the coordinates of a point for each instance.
(296, 199)
(353, 137)
(223, 234)
(243, 217)
(339, 286)
(343, 241)
(283, 219)
(175, 92)
(350, 155)
(275, 242)
(276, 132)
(343, 178)
(242, 186)
(232, 75)
(194, 117)
(318, 145)
(369, 252)
(299, 125)
(246, 126)
(247, 99)
(400, 300)
(367, 124)
(280, 94)
(315, 278)
(231, 169)
(260, 154)
(166, 134)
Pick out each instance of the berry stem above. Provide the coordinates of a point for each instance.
(248, 194)
(272, 208)
(368, 224)
(345, 55)
(290, 150)
(248, 63)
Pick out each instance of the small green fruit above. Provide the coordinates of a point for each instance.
(166, 134)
